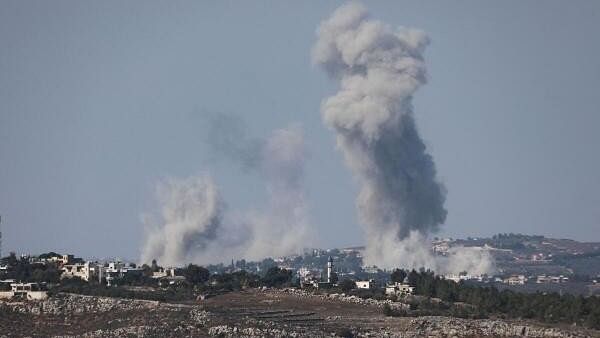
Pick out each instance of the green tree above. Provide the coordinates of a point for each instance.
(347, 285)
(276, 277)
(398, 276)
(195, 274)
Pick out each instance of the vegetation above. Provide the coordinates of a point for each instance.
(276, 277)
(344, 333)
(398, 276)
(549, 308)
(78, 286)
(195, 274)
(347, 284)
(21, 269)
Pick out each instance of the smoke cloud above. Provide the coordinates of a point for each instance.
(191, 215)
(283, 228)
(379, 69)
(194, 226)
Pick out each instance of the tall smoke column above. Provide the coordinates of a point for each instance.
(191, 217)
(379, 70)
(283, 228)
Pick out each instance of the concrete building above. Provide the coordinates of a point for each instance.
(543, 279)
(365, 284)
(29, 291)
(61, 260)
(86, 271)
(399, 289)
(116, 270)
(164, 272)
(516, 280)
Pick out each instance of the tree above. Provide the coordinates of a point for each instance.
(398, 276)
(276, 277)
(195, 274)
(155, 266)
(347, 285)
(12, 259)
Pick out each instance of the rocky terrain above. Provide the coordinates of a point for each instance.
(255, 313)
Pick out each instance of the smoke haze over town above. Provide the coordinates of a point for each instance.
(299, 169)
(220, 131)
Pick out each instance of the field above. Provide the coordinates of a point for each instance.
(252, 313)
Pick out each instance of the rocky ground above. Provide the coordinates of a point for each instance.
(252, 313)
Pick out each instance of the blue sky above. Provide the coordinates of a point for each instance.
(101, 100)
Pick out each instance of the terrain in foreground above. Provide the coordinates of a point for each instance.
(253, 313)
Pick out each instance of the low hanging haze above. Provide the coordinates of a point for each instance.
(100, 102)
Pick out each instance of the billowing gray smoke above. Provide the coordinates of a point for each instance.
(283, 228)
(191, 214)
(379, 70)
(194, 226)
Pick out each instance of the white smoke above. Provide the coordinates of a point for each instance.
(194, 227)
(474, 260)
(191, 214)
(379, 69)
(283, 228)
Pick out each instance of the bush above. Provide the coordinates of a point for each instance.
(276, 277)
(347, 285)
(344, 332)
(389, 312)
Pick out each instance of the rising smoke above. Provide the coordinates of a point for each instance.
(191, 212)
(194, 226)
(283, 228)
(379, 69)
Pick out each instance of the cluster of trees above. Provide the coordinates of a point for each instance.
(200, 279)
(93, 288)
(550, 308)
(21, 269)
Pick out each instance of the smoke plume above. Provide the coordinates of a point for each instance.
(283, 227)
(379, 69)
(191, 215)
(193, 225)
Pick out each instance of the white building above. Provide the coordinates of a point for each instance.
(164, 272)
(29, 291)
(399, 289)
(86, 271)
(365, 284)
(116, 270)
(60, 260)
(543, 279)
(516, 280)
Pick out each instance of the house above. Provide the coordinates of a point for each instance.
(172, 281)
(365, 284)
(543, 279)
(29, 291)
(516, 280)
(163, 272)
(86, 271)
(116, 270)
(399, 289)
(61, 260)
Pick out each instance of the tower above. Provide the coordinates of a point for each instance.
(329, 269)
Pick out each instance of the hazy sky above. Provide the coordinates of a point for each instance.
(101, 100)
